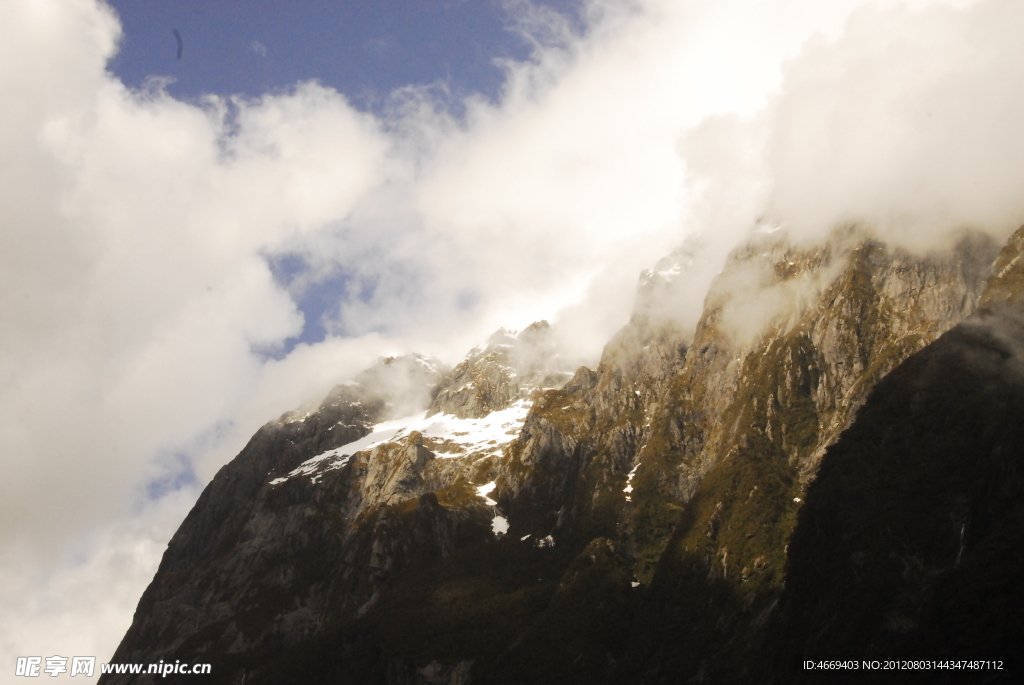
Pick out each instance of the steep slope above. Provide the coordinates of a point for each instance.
(912, 538)
(623, 524)
(749, 418)
(692, 466)
(226, 553)
(302, 534)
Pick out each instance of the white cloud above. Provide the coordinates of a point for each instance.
(136, 228)
(906, 123)
(83, 606)
(134, 293)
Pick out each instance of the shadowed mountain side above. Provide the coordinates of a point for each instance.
(911, 542)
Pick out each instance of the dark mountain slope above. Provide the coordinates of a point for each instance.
(911, 542)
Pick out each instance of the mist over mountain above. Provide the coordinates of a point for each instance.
(812, 195)
(833, 476)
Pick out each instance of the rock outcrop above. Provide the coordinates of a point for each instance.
(507, 368)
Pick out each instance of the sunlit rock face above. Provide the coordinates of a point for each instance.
(505, 369)
(511, 520)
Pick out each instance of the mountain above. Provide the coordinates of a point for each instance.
(697, 507)
(911, 539)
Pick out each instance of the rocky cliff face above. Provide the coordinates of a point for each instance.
(505, 369)
(629, 523)
(911, 532)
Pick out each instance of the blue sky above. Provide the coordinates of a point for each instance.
(362, 48)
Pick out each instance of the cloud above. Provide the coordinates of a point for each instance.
(135, 293)
(901, 123)
(139, 303)
(83, 606)
(906, 123)
(166, 294)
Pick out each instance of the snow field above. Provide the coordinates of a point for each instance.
(458, 438)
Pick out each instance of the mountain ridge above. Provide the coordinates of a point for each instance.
(675, 470)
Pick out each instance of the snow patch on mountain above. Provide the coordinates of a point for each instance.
(485, 490)
(629, 484)
(448, 436)
(318, 465)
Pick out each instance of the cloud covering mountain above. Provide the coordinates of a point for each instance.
(156, 254)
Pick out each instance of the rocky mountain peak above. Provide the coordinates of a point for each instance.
(629, 524)
(505, 369)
